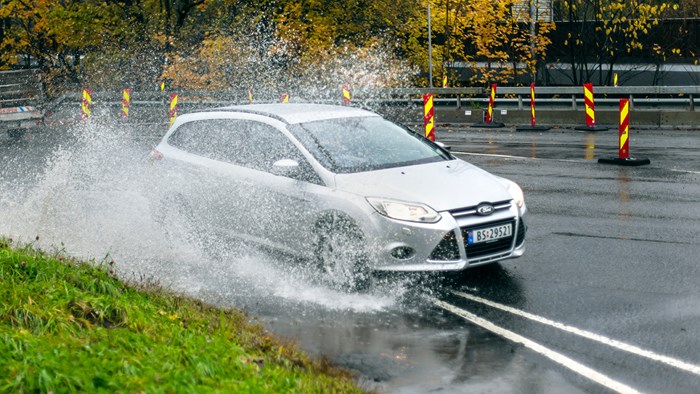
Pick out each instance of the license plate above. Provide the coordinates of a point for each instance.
(489, 233)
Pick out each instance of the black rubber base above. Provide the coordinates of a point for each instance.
(591, 128)
(532, 128)
(631, 162)
(492, 125)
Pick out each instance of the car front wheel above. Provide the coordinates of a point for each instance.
(340, 254)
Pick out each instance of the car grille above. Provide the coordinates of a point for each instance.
(488, 248)
(448, 248)
(471, 211)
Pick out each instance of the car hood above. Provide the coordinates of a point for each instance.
(443, 186)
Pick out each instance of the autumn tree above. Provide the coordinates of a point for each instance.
(509, 39)
(56, 35)
(605, 32)
(492, 38)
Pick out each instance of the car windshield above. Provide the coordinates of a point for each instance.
(365, 143)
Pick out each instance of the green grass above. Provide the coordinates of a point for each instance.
(69, 326)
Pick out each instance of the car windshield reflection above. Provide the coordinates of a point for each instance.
(365, 143)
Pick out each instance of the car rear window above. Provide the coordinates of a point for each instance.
(240, 142)
(348, 145)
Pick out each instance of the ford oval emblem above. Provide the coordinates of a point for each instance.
(484, 209)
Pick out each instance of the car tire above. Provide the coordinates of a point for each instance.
(340, 254)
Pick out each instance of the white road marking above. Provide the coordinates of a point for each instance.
(551, 354)
(518, 157)
(492, 154)
(540, 158)
(685, 171)
(692, 368)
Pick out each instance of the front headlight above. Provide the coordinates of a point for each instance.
(399, 210)
(516, 192)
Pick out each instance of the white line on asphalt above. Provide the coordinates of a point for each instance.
(539, 158)
(494, 155)
(551, 354)
(685, 171)
(694, 369)
(513, 157)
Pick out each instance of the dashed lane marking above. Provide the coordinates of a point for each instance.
(561, 160)
(559, 358)
(679, 364)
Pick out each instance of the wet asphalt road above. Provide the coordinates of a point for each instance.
(611, 250)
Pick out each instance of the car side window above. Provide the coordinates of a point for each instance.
(264, 145)
(245, 143)
(190, 137)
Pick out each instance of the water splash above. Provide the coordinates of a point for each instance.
(95, 196)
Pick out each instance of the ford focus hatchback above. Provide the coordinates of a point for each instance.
(341, 187)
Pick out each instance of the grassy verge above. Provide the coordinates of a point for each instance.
(68, 326)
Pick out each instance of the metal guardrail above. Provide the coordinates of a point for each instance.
(556, 97)
(683, 98)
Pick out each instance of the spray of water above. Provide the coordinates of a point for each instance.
(96, 197)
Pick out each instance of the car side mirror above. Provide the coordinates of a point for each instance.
(285, 167)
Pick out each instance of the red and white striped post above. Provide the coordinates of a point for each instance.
(488, 118)
(590, 110)
(533, 124)
(126, 102)
(488, 115)
(590, 105)
(172, 112)
(86, 104)
(429, 116)
(623, 153)
(346, 94)
(532, 104)
(284, 98)
(624, 148)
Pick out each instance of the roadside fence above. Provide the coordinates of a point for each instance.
(556, 105)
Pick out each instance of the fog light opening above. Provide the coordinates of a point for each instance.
(447, 249)
(403, 252)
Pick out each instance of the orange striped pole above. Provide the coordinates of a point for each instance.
(86, 105)
(284, 97)
(533, 120)
(250, 95)
(172, 112)
(444, 81)
(615, 79)
(623, 156)
(624, 149)
(590, 107)
(126, 102)
(429, 116)
(346, 94)
(492, 100)
(532, 104)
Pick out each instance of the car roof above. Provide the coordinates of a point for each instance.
(292, 113)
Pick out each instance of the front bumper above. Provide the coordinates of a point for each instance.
(442, 246)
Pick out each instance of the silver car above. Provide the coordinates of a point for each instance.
(341, 187)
